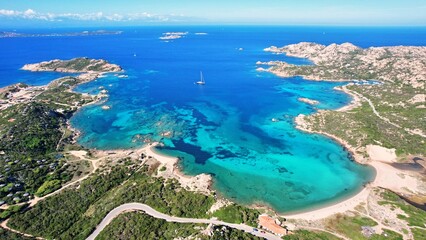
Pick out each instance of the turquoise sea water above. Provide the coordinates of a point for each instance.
(223, 128)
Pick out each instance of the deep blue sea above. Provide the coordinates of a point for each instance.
(223, 128)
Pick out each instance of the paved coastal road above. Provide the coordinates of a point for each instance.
(152, 212)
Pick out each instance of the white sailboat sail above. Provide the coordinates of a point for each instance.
(201, 82)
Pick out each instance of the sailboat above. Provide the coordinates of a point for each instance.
(201, 82)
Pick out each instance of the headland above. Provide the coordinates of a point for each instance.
(382, 127)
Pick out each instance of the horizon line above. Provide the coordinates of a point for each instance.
(217, 25)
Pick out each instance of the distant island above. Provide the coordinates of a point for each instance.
(76, 65)
(70, 34)
(173, 35)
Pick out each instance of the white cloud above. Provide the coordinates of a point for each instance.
(4, 12)
(29, 12)
(96, 16)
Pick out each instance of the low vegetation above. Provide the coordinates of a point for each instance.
(400, 103)
(32, 135)
(419, 233)
(413, 215)
(226, 233)
(52, 217)
(28, 145)
(74, 213)
(238, 214)
(75, 65)
(351, 226)
(137, 225)
(310, 235)
(360, 127)
(6, 213)
(58, 94)
(8, 235)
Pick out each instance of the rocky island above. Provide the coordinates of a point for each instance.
(173, 35)
(308, 101)
(76, 65)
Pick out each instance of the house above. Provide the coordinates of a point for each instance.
(268, 223)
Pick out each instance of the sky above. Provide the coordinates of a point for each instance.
(270, 12)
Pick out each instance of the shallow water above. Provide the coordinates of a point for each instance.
(224, 127)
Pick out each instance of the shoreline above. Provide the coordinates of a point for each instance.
(324, 210)
(199, 183)
(340, 205)
(347, 203)
(203, 182)
(385, 175)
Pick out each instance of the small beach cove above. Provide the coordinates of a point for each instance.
(246, 139)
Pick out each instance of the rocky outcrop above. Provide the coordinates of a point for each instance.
(348, 62)
(308, 101)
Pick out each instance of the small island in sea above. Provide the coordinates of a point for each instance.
(53, 187)
(77, 65)
(173, 35)
(309, 101)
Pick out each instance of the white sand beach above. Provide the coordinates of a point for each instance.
(380, 158)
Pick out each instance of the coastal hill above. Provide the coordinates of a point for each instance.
(76, 65)
(34, 129)
(397, 98)
(348, 62)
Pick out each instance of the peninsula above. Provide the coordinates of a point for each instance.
(34, 125)
(348, 62)
(382, 127)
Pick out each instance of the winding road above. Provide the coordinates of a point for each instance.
(154, 213)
